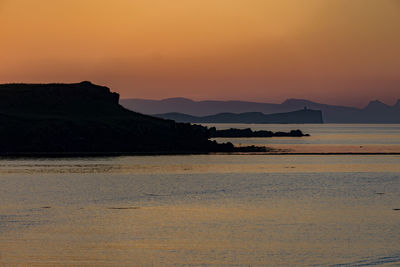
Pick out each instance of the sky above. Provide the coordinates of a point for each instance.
(332, 51)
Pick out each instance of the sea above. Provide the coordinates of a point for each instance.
(330, 199)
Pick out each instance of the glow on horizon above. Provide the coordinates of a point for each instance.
(332, 51)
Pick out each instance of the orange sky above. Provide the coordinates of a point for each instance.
(333, 51)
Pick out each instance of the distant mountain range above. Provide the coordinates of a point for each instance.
(374, 112)
(299, 116)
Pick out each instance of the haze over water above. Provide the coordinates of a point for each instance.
(206, 210)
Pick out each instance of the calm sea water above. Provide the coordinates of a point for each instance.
(201, 210)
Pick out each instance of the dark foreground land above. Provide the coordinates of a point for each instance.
(86, 119)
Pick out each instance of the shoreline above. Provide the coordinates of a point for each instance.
(122, 154)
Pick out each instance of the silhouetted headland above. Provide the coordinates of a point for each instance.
(232, 132)
(84, 118)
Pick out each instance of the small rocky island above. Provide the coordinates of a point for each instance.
(85, 118)
(236, 133)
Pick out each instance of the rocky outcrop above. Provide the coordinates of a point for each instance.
(234, 133)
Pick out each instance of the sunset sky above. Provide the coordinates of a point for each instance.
(332, 51)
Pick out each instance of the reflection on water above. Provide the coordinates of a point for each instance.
(257, 163)
(201, 210)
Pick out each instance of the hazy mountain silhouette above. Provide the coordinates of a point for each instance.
(300, 116)
(86, 118)
(374, 112)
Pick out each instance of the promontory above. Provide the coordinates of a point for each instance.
(85, 118)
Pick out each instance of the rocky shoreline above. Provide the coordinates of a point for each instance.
(239, 133)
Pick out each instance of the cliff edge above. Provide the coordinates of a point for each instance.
(86, 118)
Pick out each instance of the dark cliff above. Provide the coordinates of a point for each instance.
(86, 118)
(57, 99)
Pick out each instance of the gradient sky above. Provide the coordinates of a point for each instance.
(333, 51)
